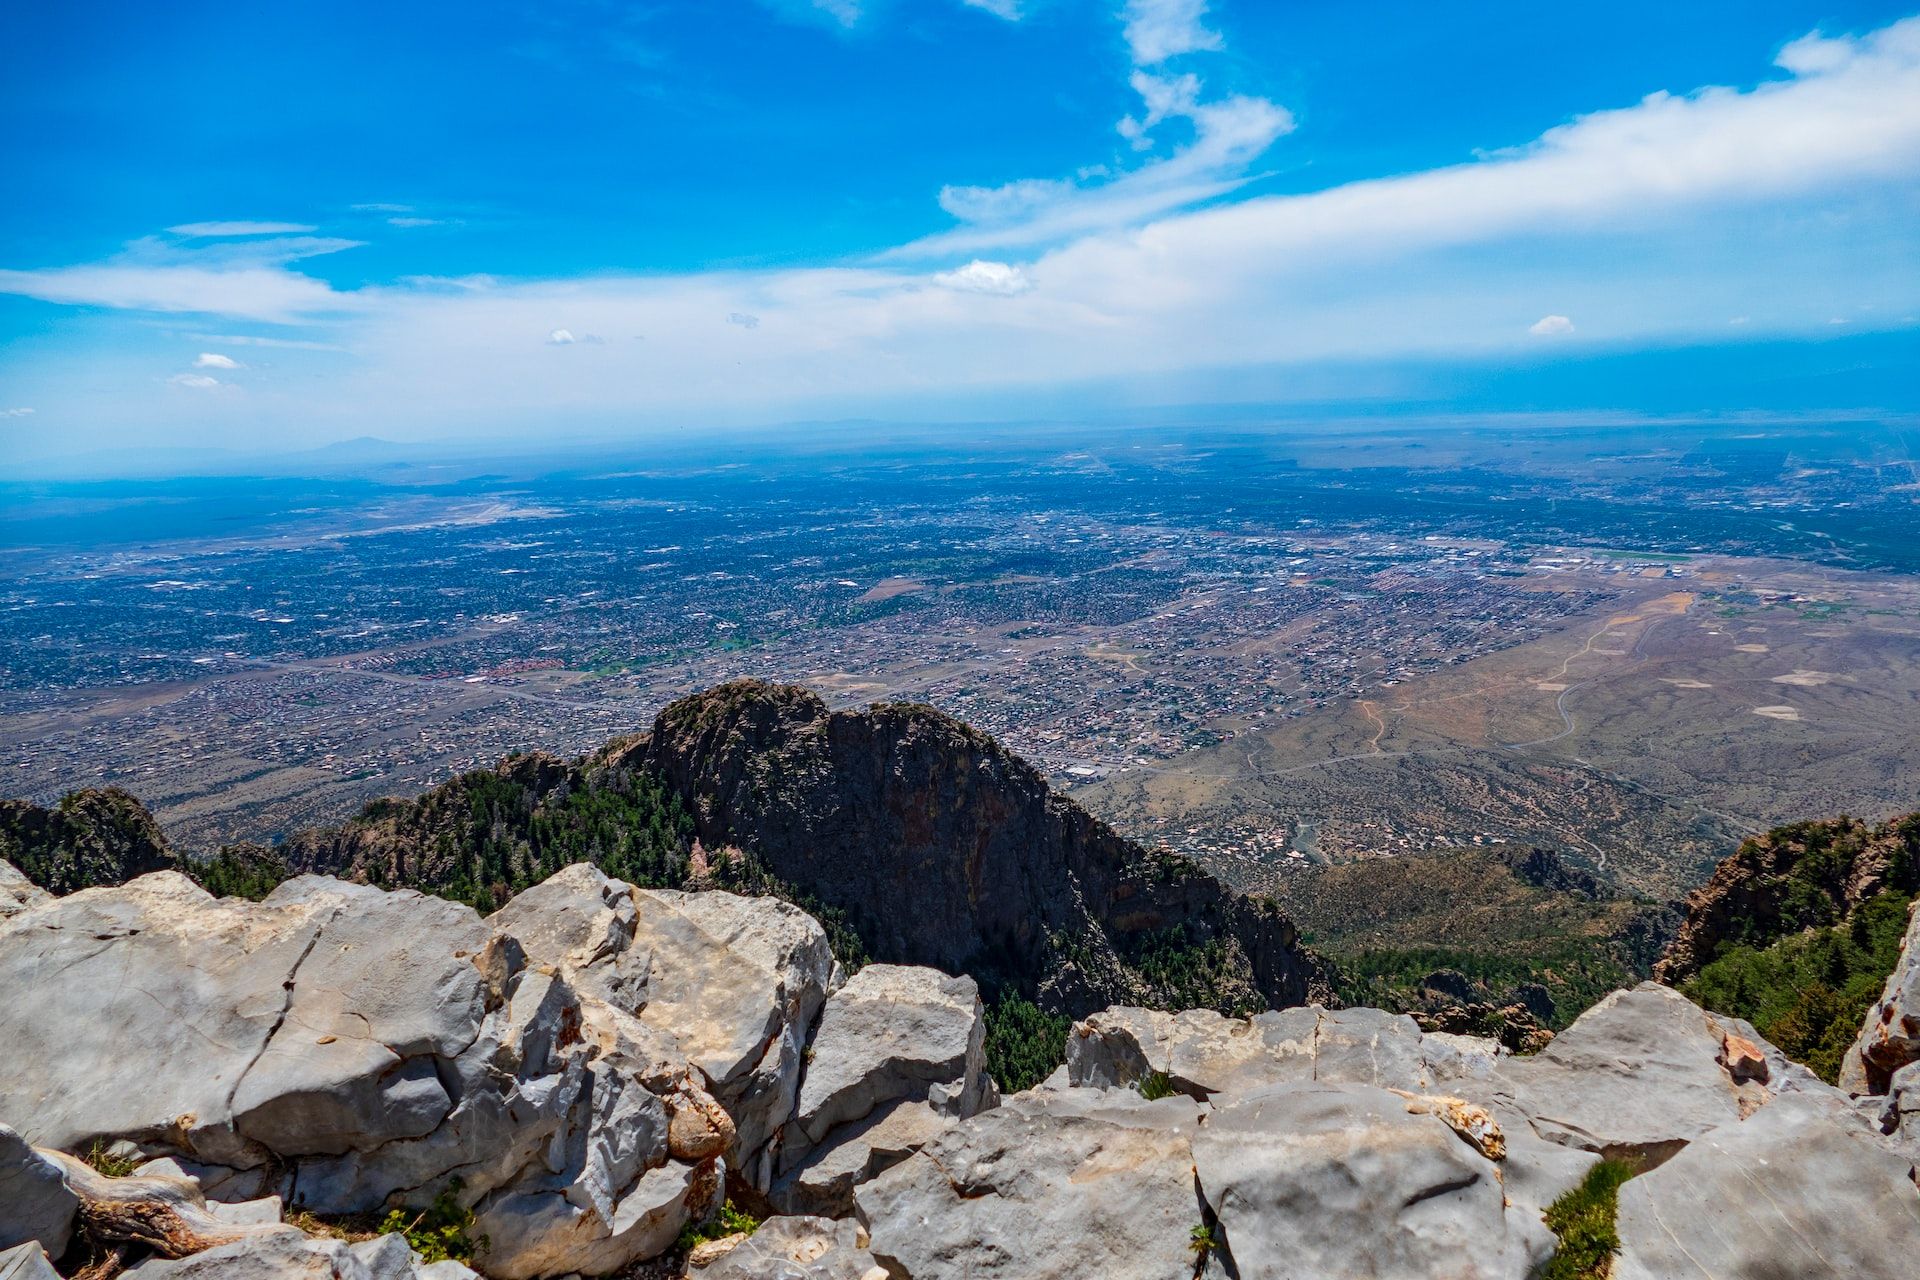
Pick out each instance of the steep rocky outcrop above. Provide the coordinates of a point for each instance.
(1792, 878)
(95, 836)
(944, 849)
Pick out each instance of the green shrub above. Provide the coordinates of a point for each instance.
(440, 1231)
(1582, 1221)
(1155, 1086)
(726, 1221)
(113, 1166)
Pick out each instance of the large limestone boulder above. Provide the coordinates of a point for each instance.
(35, 1203)
(898, 1056)
(1335, 1181)
(1203, 1053)
(1051, 1185)
(1641, 1074)
(797, 1248)
(1798, 1189)
(737, 982)
(732, 983)
(354, 1050)
(1890, 1036)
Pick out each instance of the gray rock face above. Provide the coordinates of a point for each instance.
(26, 1262)
(1889, 1038)
(1044, 1187)
(1795, 1190)
(737, 982)
(35, 1204)
(798, 1248)
(17, 893)
(1641, 1075)
(1203, 1053)
(354, 1049)
(1350, 1180)
(292, 1255)
(898, 1056)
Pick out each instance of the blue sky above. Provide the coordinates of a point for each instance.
(277, 225)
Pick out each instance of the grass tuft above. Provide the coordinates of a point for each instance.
(1583, 1221)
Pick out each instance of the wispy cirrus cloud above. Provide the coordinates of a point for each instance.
(203, 230)
(246, 278)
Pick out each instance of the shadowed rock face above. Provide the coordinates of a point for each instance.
(945, 849)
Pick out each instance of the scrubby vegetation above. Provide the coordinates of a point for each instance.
(1809, 992)
(441, 1231)
(1024, 1043)
(727, 1220)
(1583, 1222)
(1575, 972)
(92, 837)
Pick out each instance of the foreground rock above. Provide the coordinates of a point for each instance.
(729, 984)
(1796, 1190)
(898, 1057)
(35, 1202)
(797, 1248)
(1044, 1187)
(352, 1050)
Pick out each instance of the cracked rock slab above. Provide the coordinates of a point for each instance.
(1044, 1187)
(1798, 1189)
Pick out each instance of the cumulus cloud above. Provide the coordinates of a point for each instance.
(1550, 326)
(1160, 29)
(214, 360)
(198, 381)
(561, 338)
(213, 230)
(985, 277)
(742, 319)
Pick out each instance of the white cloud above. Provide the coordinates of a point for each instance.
(381, 207)
(205, 230)
(198, 381)
(1653, 222)
(742, 319)
(1550, 327)
(843, 13)
(247, 279)
(561, 338)
(407, 223)
(1008, 9)
(1229, 134)
(214, 360)
(21, 412)
(985, 277)
(1160, 29)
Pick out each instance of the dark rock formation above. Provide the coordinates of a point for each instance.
(943, 848)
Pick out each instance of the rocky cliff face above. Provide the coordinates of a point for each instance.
(1792, 878)
(943, 848)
